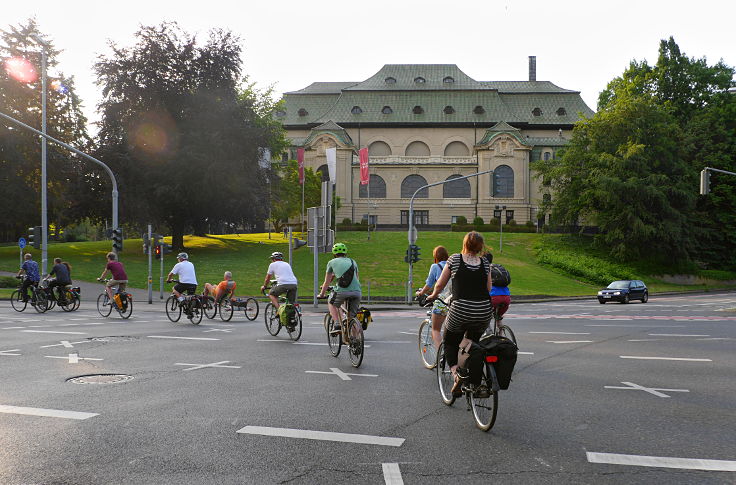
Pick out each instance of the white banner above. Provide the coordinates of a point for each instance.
(331, 154)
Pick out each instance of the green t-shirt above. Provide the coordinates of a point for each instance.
(338, 266)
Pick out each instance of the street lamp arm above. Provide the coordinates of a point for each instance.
(719, 170)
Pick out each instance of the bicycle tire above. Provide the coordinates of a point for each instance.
(209, 306)
(505, 331)
(128, 311)
(173, 310)
(69, 298)
(333, 341)
(104, 308)
(195, 307)
(50, 300)
(273, 325)
(295, 331)
(427, 352)
(251, 309)
(485, 408)
(356, 342)
(226, 309)
(445, 379)
(42, 302)
(16, 301)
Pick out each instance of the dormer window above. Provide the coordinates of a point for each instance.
(479, 110)
(420, 80)
(387, 110)
(561, 112)
(280, 114)
(390, 80)
(418, 110)
(303, 112)
(449, 110)
(356, 110)
(448, 80)
(537, 111)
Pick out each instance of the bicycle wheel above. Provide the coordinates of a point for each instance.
(195, 307)
(334, 341)
(505, 331)
(77, 302)
(295, 330)
(251, 309)
(209, 306)
(42, 302)
(427, 352)
(226, 309)
(356, 347)
(68, 300)
(50, 299)
(173, 310)
(484, 401)
(104, 307)
(127, 309)
(273, 325)
(445, 380)
(16, 300)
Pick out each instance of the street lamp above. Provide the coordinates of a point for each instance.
(44, 211)
(499, 213)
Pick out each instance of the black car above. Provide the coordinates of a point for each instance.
(624, 291)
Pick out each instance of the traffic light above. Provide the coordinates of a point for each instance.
(34, 236)
(406, 256)
(165, 248)
(414, 252)
(705, 182)
(117, 240)
(157, 251)
(297, 243)
(146, 243)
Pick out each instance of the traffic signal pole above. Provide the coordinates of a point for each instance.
(150, 263)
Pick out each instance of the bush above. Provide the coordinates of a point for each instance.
(587, 268)
(512, 222)
(529, 224)
(478, 221)
(347, 221)
(461, 220)
(9, 282)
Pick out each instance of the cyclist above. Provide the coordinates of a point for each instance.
(500, 299)
(187, 277)
(33, 275)
(119, 277)
(227, 285)
(439, 309)
(286, 282)
(470, 311)
(62, 273)
(351, 293)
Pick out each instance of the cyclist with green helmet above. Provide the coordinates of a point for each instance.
(336, 268)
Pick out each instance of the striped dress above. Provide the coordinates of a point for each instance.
(468, 314)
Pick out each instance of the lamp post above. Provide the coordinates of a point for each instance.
(500, 210)
(44, 211)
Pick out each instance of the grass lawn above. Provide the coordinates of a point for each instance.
(381, 261)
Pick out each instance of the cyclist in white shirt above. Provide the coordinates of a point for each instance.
(187, 278)
(285, 280)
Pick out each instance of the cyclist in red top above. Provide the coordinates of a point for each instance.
(119, 278)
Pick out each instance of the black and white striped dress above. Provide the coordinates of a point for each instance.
(468, 314)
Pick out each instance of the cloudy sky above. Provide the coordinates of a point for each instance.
(289, 44)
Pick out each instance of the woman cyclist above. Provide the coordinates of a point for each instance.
(439, 309)
(470, 311)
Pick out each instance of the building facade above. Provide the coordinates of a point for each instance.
(426, 123)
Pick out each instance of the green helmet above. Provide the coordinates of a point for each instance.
(339, 248)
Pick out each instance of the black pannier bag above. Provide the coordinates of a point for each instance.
(500, 347)
(500, 275)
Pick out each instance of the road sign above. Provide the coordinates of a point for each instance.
(22, 242)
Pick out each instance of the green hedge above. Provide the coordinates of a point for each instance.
(716, 274)
(587, 268)
(9, 282)
(492, 228)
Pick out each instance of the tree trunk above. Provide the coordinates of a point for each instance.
(177, 238)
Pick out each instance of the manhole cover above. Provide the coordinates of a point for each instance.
(113, 338)
(100, 379)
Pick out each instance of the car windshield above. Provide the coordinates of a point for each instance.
(617, 285)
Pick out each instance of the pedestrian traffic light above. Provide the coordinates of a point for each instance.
(34, 236)
(117, 240)
(705, 182)
(165, 248)
(414, 252)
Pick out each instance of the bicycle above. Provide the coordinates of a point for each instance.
(273, 319)
(38, 298)
(248, 305)
(353, 329)
(69, 303)
(191, 305)
(105, 306)
(498, 329)
(427, 350)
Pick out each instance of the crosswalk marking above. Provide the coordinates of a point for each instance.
(322, 435)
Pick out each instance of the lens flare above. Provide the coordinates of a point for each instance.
(59, 87)
(154, 134)
(21, 70)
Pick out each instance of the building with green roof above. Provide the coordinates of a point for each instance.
(426, 123)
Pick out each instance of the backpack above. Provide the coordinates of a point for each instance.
(504, 349)
(347, 277)
(500, 275)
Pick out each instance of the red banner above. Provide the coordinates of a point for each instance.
(300, 163)
(364, 176)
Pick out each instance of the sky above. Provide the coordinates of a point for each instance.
(289, 44)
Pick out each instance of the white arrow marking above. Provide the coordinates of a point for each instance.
(7, 352)
(342, 375)
(70, 344)
(322, 435)
(216, 364)
(226, 330)
(650, 390)
(72, 358)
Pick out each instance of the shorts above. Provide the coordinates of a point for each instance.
(502, 302)
(188, 288)
(439, 308)
(352, 297)
(289, 289)
(119, 283)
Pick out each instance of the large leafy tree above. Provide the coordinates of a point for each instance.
(286, 193)
(182, 129)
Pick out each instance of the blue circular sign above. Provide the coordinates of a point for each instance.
(22, 242)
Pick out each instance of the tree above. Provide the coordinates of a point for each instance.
(182, 130)
(286, 195)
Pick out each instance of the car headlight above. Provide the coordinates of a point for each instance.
(600, 292)
(617, 293)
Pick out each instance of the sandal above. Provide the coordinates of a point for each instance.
(457, 388)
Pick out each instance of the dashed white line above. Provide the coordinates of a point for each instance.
(54, 331)
(392, 474)
(72, 358)
(569, 341)
(565, 333)
(181, 338)
(322, 435)
(662, 462)
(10, 352)
(675, 335)
(50, 413)
(687, 359)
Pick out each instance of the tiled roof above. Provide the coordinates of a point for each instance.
(406, 77)
(323, 88)
(525, 87)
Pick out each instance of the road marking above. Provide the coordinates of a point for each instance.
(662, 462)
(72, 358)
(634, 326)
(70, 344)
(675, 335)
(226, 330)
(392, 474)
(342, 375)
(182, 338)
(565, 333)
(390, 341)
(7, 352)
(664, 358)
(650, 390)
(409, 333)
(716, 338)
(12, 328)
(54, 331)
(322, 435)
(39, 326)
(569, 341)
(49, 413)
(77, 319)
(525, 353)
(216, 364)
(645, 340)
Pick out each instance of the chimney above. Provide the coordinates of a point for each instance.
(532, 68)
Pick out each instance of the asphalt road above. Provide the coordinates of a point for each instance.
(637, 393)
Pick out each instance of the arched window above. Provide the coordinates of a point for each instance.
(449, 110)
(325, 173)
(417, 149)
(387, 110)
(418, 110)
(419, 80)
(410, 184)
(356, 110)
(379, 149)
(561, 112)
(280, 113)
(302, 112)
(378, 188)
(479, 110)
(459, 189)
(456, 149)
(503, 182)
(546, 156)
(390, 80)
(448, 80)
(537, 111)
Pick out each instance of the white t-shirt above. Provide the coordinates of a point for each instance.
(283, 273)
(185, 270)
